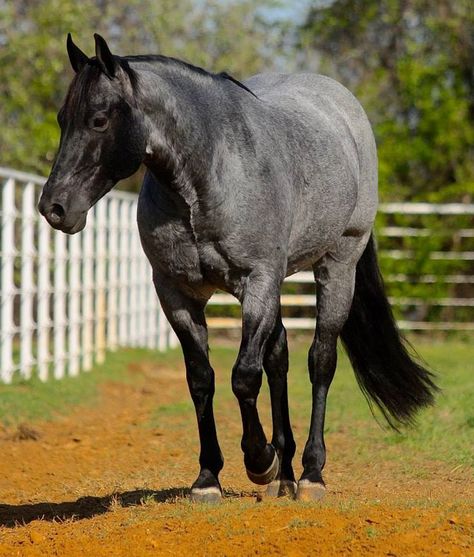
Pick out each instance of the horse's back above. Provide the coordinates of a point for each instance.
(314, 96)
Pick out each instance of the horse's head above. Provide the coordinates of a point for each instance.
(103, 137)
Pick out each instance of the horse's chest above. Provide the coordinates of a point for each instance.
(170, 247)
(173, 251)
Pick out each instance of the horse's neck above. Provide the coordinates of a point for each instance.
(186, 118)
(179, 144)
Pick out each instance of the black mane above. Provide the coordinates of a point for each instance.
(170, 61)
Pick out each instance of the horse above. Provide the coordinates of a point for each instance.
(246, 183)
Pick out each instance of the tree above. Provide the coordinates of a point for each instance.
(411, 64)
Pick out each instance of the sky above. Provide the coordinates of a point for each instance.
(294, 10)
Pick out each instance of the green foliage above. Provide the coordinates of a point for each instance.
(35, 71)
(410, 62)
(32, 80)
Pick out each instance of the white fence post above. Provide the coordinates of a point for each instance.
(151, 317)
(113, 275)
(44, 321)
(100, 298)
(59, 308)
(133, 274)
(28, 254)
(124, 275)
(87, 297)
(7, 279)
(74, 314)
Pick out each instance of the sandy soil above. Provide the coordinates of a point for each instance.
(103, 481)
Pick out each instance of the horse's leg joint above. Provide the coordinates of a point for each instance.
(246, 382)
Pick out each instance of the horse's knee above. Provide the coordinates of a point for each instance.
(201, 382)
(246, 381)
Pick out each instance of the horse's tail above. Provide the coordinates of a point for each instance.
(384, 369)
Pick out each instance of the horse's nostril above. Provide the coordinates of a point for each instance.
(56, 213)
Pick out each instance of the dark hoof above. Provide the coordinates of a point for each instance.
(281, 488)
(206, 494)
(310, 491)
(268, 476)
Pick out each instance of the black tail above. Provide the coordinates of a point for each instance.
(384, 369)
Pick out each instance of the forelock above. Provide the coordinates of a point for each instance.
(85, 84)
(80, 90)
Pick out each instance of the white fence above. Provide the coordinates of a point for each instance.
(65, 300)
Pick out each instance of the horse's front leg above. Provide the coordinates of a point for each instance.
(259, 312)
(186, 316)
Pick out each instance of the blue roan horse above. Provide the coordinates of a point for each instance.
(246, 184)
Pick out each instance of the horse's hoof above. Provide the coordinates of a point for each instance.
(281, 488)
(206, 494)
(310, 491)
(268, 476)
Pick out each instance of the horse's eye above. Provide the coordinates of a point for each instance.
(100, 123)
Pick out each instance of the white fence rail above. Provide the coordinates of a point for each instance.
(65, 300)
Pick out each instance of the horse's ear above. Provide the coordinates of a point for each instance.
(77, 58)
(106, 59)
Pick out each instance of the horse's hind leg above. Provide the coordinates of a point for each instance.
(335, 279)
(275, 365)
(187, 318)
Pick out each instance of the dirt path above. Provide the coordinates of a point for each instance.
(109, 481)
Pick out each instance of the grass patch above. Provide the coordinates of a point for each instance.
(34, 400)
(177, 409)
(443, 431)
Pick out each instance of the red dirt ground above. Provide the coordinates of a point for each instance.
(100, 482)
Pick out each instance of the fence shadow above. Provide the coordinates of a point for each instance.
(85, 507)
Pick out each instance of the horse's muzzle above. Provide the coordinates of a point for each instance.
(57, 217)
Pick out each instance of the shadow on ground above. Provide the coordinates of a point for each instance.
(85, 507)
(88, 507)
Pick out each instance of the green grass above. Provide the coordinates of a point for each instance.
(444, 432)
(34, 400)
(175, 409)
